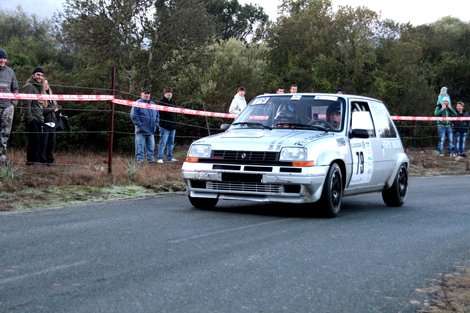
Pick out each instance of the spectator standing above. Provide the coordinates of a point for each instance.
(443, 93)
(444, 128)
(145, 123)
(8, 84)
(293, 88)
(168, 122)
(33, 116)
(238, 103)
(48, 141)
(460, 130)
(280, 90)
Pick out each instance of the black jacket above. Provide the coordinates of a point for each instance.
(32, 109)
(461, 126)
(168, 120)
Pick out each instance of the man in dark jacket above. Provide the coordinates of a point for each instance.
(8, 84)
(33, 116)
(168, 121)
(460, 130)
(146, 122)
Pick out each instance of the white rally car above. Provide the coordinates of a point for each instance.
(300, 148)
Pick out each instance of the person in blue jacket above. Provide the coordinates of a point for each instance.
(146, 123)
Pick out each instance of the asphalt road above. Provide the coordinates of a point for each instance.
(160, 255)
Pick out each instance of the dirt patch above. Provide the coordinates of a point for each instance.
(450, 295)
(426, 162)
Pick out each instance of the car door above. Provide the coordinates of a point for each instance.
(390, 142)
(366, 153)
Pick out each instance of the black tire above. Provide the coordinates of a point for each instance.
(332, 194)
(203, 203)
(395, 195)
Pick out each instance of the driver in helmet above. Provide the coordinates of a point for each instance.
(285, 115)
(333, 115)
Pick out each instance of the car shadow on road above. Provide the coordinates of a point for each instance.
(349, 207)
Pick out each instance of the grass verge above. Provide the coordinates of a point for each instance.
(82, 177)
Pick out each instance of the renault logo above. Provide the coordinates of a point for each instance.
(243, 155)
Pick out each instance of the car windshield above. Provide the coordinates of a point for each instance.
(316, 112)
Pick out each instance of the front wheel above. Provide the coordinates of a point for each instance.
(332, 193)
(203, 203)
(396, 194)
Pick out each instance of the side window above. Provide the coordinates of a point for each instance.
(361, 117)
(383, 123)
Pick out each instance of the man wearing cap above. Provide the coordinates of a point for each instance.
(32, 115)
(146, 123)
(168, 121)
(8, 84)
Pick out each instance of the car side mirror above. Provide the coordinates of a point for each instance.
(224, 127)
(359, 133)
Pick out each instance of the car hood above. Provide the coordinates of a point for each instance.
(263, 139)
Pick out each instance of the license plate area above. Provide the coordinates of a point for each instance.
(242, 178)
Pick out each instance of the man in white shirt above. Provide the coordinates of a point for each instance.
(238, 103)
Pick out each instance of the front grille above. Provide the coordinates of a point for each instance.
(244, 187)
(245, 156)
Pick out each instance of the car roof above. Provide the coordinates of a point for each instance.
(346, 96)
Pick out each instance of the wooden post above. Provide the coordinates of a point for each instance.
(111, 123)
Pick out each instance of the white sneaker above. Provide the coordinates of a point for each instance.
(173, 160)
(159, 161)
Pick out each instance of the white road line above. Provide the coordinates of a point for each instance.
(49, 270)
(228, 230)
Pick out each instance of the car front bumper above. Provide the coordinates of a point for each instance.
(270, 184)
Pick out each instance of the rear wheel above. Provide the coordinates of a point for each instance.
(332, 193)
(203, 203)
(395, 195)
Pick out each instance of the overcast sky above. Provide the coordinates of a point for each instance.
(416, 12)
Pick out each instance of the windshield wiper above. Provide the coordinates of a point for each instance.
(253, 124)
(304, 126)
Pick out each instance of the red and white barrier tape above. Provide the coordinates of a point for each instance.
(27, 96)
(172, 109)
(24, 96)
(429, 118)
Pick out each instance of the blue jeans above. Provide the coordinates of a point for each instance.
(442, 132)
(167, 139)
(144, 144)
(460, 138)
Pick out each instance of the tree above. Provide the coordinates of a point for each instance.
(231, 64)
(180, 31)
(108, 33)
(233, 20)
(319, 49)
(28, 40)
